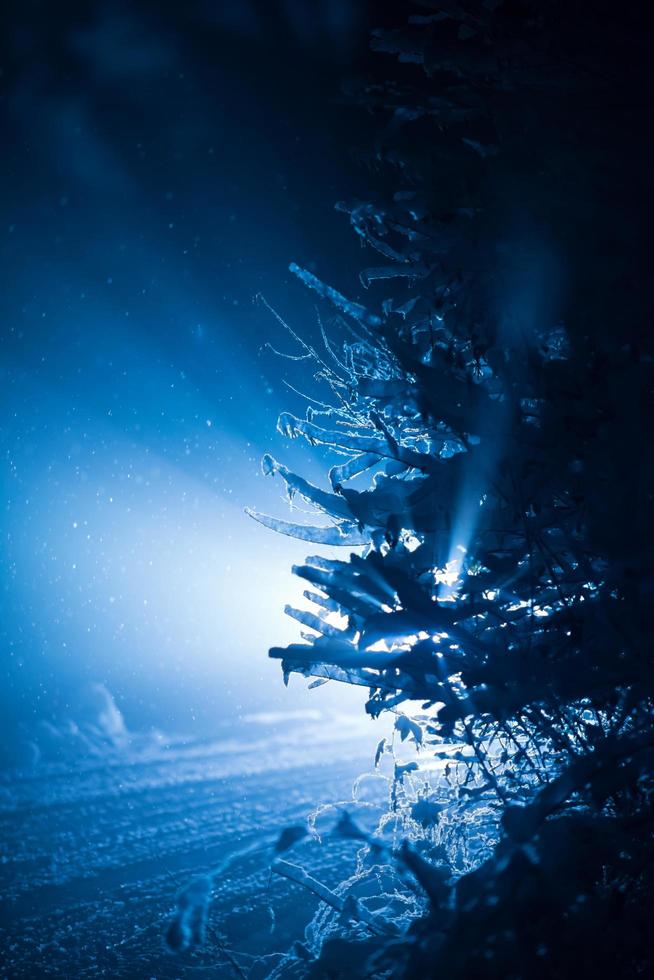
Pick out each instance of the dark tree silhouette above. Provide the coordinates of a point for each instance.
(491, 405)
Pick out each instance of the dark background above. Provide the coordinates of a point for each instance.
(162, 164)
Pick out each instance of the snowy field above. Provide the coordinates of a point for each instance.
(94, 849)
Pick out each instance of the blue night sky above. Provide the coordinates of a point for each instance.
(162, 165)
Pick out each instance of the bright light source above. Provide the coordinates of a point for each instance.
(336, 619)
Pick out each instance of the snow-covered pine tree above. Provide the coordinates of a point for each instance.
(494, 392)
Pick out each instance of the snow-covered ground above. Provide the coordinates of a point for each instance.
(95, 847)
